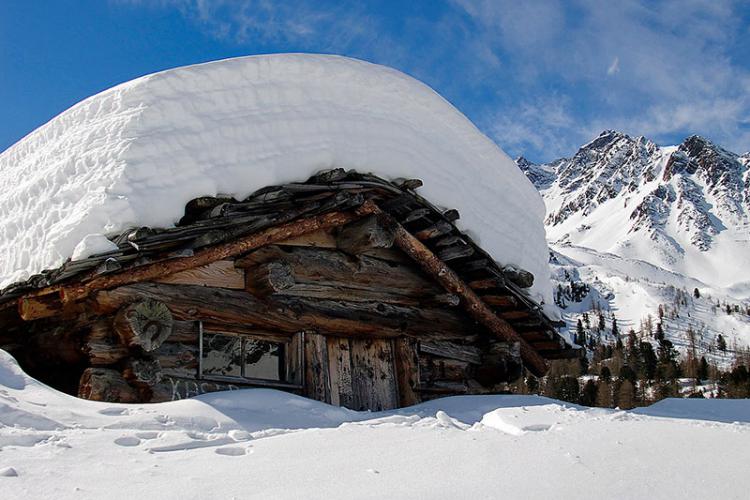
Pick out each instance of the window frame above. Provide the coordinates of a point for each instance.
(287, 359)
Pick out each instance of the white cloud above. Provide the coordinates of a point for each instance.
(671, 58)
(614, 68)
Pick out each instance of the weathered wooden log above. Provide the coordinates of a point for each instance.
(221, 273)
(469, 299)
(176, 357)
(433, 369)
(104, 352)
(378, 319)
(549, 345)
(34, 307)
(440, 228)
(159, 269)
(468, 353)
(451, 215)
(288, 314)
(522, 278)
(411, 184)
(104, 384)
(514, 315)
(415, 215)
(142, 371)
(367, 233)
(485, 284)
(40, 306)
(457, 251)
(173, 388)
(333, 269)
(276, 278)
(500, 300)
(145, 324)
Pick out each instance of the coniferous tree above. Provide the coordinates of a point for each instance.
(626, 395)
(602, 324)
(627, 373)
(696, 293)
(721, 344)
(703, 369)
(649, 360)
(615, 330)
(604, 394)
(588, 394)
(659, 332)
(580, 333)
(605, 374)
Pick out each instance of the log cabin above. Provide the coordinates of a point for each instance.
(346, 288)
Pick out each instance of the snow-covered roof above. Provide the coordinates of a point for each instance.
(137, 153)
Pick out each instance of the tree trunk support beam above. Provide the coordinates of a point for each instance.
(453, 283)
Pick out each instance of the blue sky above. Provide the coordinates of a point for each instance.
(539, 77)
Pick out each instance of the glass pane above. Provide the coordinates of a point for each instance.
(222, 355)
(263, 360)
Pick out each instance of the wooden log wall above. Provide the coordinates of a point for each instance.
(378, 333)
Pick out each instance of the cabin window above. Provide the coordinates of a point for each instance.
(241, 357)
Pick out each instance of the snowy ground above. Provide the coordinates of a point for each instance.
(632, 289)
(268, 444)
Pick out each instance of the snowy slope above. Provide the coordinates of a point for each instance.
(685, 208)
(267, 444)
(644, 225)
(135, 154)
(631, 290)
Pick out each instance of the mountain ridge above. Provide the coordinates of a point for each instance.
(644, 227)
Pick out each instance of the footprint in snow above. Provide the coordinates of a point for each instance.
(8, 472)
(231, 451)
(127, 441)
(113, 412)
(147, 435)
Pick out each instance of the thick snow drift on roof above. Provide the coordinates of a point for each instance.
(137, 153)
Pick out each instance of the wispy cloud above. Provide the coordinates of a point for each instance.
(614, 68)
(538, 75)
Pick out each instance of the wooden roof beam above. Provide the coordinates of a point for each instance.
(31, 308)
(471, 302)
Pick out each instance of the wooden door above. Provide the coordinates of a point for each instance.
(355, 373)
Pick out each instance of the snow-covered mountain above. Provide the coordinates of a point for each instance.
(642, 223)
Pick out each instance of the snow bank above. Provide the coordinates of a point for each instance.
(262, 443)
(136, 153)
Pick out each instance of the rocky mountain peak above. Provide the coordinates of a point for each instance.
(674, 200)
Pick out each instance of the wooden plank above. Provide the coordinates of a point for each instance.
(340, 366)
(295, 359)
(407, 371)
(221, 274)
(317, 374)
(373, 375)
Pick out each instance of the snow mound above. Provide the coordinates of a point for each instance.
(137, 153)
(444, 448)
